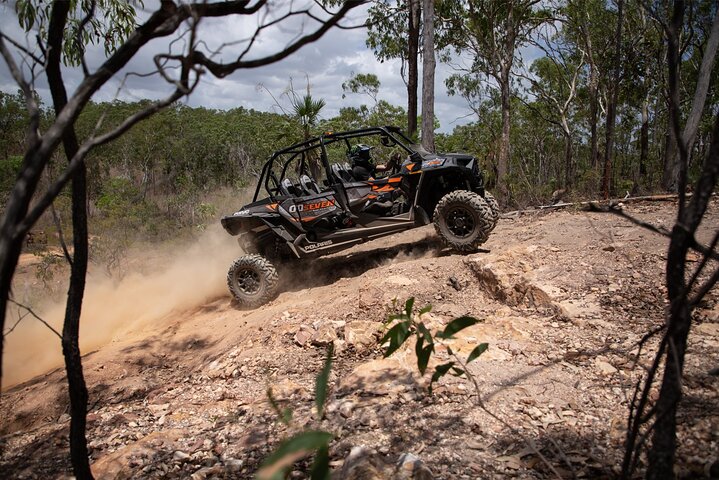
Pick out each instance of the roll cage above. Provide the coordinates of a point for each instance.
(275, 180)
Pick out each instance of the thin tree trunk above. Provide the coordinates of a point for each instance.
(503, 160)
(71, 327)
(670, 155)
(593, 120)
(612, 110)
(690, 128)
(413, 74)
(428, 66)
(644, 140)
(568, 160)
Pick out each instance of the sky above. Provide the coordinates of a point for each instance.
(327, 63)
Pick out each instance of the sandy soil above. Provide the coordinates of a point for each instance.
(178, 376)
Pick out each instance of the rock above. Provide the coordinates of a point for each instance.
(604, 367)
(361, 333)
(180, 456)
(501, 286)
(63, 418)
(709, 329)
(455, 283)
(409, 466)
(345, 408)
(304, 335)
(363, 464)
(233, 465)
(206, 472)
(324, 335)
(379, 377)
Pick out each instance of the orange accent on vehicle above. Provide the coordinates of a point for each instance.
(371, 197)
(317, 205)
(394, 179)
(383, 188)
(410, 166)
(271, 206)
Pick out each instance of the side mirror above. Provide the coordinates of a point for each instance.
(386, 141)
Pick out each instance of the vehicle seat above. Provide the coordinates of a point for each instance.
(343, 174)
(308, 185)
(288, 188)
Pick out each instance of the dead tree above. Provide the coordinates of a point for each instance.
(658, 419)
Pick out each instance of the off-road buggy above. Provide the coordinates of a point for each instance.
(307, 203)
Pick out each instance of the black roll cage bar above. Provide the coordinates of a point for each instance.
(319, 142)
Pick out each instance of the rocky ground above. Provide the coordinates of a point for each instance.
(563, 299)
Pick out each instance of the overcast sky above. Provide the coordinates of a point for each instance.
(328, 62)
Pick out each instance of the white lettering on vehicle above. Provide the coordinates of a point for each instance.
(241, 213)
(314, 246)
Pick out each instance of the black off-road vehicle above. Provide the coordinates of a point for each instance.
(308, 203)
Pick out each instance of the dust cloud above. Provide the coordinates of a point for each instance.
(194, 275)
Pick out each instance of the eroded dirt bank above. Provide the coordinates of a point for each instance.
(564, 298)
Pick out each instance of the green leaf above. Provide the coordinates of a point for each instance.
(408, 307)
(291, 450)
(399, 316)
(439, 372)
(457, 372)
(457, 325)
(425, 332)
(322, 380)
(423, 352)
(426, 309)
(478, 350)
(423, 358)
(321, 465)
(396, 336)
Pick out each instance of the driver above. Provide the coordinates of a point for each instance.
(362, 167)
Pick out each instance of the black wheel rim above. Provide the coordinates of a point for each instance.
(248, 281)
(460, 222)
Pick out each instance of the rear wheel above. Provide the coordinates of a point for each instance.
(463, 220)
(494, 206)
(252, 280)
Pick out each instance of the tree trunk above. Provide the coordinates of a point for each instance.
(568, 160)
(690, 128)
(670, 155)
(593, 117)
(612, 110)
(71, 327)
(503, 160)
(413, 74)
(428, 66)
(703, 82)
(644, 140)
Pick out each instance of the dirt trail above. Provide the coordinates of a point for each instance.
(564, 297)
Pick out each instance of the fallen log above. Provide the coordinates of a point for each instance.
(612, 201)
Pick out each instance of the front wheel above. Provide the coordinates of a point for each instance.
(463, 220)
(252, 280)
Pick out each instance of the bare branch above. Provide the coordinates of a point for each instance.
(37, 317)
(694, 245)
(60, 235)
(23, 49)
(223, 69)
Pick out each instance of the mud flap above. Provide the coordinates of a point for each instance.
(420, 217)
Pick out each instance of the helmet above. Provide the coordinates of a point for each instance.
(360, 153)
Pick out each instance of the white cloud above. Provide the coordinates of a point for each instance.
(328, 62)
